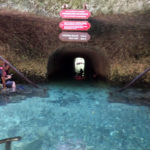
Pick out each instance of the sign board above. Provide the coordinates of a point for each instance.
(74, 37)
(75, 14)
(75, 25)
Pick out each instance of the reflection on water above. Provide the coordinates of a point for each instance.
(131, 96)
(77, 116)
(21, 93)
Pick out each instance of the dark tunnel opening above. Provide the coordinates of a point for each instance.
(61, 64)
(67, 68)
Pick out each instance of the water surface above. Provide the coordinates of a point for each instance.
(79, 116)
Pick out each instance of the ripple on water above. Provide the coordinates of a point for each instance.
(78, 117)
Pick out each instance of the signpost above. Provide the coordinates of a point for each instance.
(75, 14)
(74, 37)
(75, 25)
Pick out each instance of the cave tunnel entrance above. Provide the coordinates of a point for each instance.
(61, 64)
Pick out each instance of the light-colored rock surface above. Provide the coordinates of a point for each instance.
(52, 7)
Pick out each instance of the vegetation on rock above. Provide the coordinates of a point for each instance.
(27, 40)
(52, 7)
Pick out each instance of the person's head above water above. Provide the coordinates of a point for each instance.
(6, 66)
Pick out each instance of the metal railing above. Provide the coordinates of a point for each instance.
(18, 72)
(135, 79)
(8, 142)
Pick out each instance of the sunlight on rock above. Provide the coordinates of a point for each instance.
(52, 8)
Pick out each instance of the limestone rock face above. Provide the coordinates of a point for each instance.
(52, 7)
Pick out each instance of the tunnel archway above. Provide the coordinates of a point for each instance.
(61, 62)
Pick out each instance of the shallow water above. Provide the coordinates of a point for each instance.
(77, 116)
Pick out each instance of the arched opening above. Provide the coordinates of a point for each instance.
(79, 67)
(61, 63)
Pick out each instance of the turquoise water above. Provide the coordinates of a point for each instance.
(76, 116)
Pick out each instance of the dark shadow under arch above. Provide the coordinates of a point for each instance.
(61, 62)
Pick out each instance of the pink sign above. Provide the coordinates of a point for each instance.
(75, 25)
(74, 37)
(75, 14)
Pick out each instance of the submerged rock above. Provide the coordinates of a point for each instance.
(35, 145)
(10, 96)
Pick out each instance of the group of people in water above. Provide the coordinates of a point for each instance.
(6, 78)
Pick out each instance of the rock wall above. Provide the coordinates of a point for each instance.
(52, 7)
(28, 41)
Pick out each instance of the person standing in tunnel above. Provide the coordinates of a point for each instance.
(5, 78)
(81, 73)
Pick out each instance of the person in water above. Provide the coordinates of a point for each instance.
(5, 78)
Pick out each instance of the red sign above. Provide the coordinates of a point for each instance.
(75, 14)
(75, 25)
(74, 37)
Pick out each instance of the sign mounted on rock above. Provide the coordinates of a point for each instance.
(75, 25)
(75, 14)
(74, 37)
